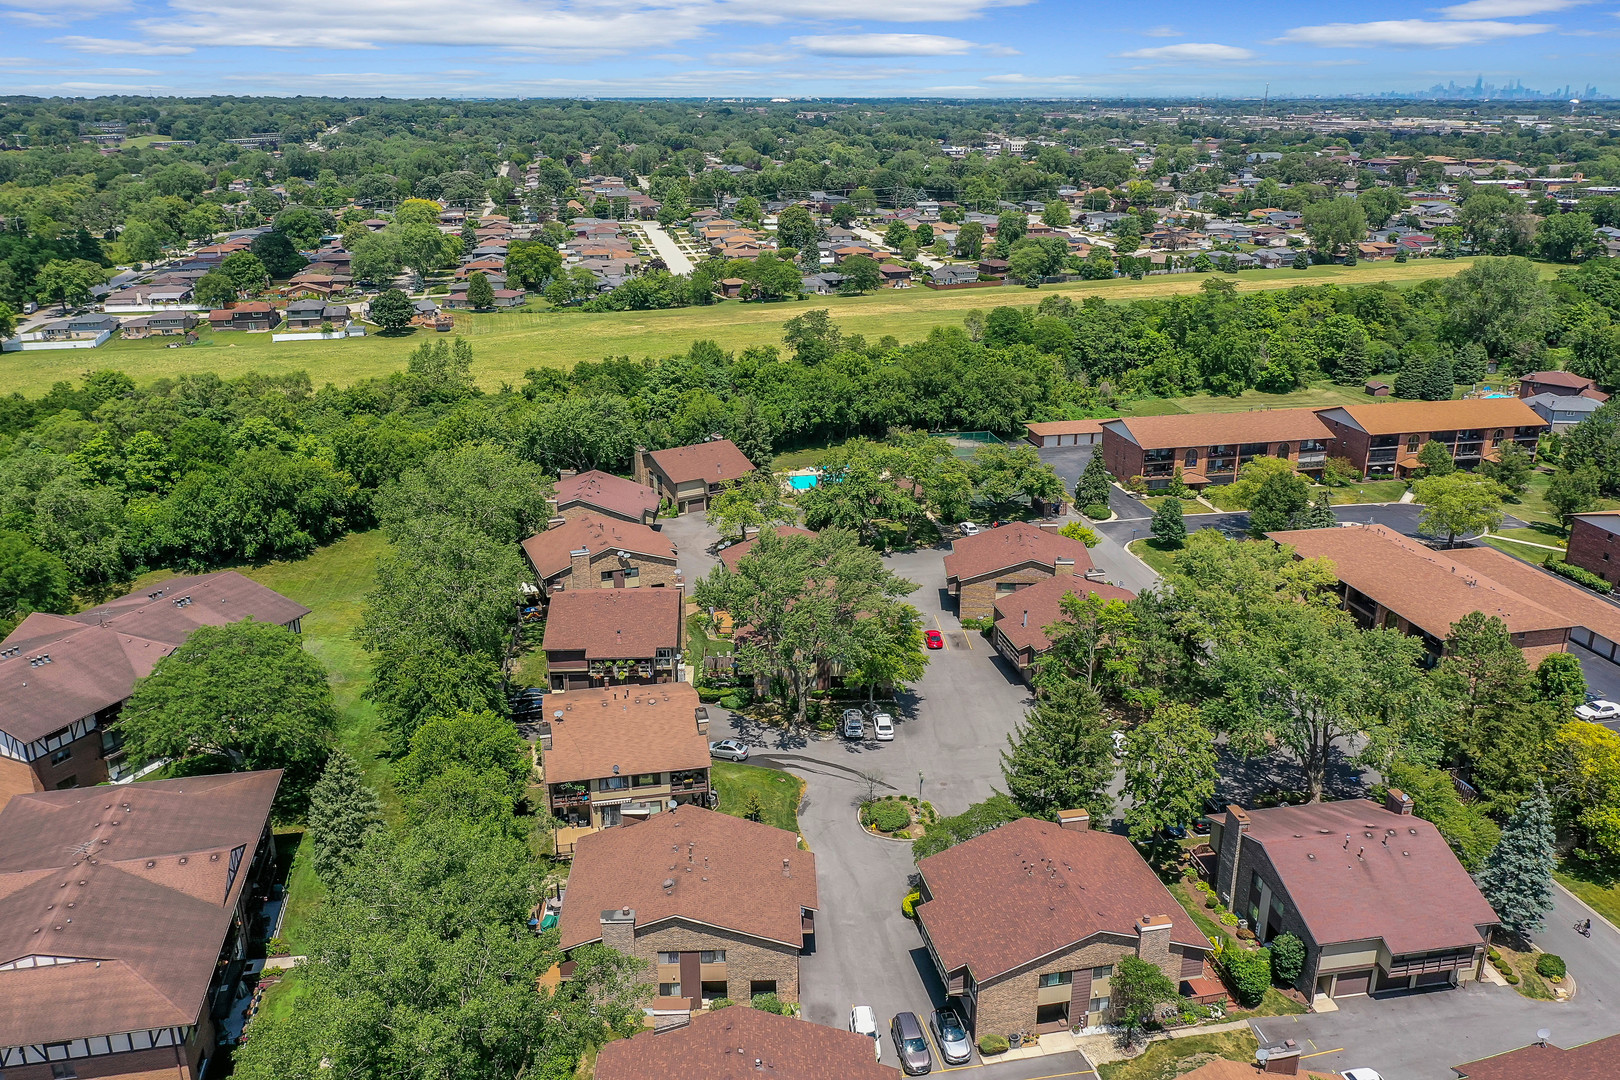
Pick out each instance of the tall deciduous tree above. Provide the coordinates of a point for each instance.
(1169, 770)
(342, 813)
(1169, 527)
(750, 502)
(1005, 476)
(1458, 503)
(1062, 756)
(392, 310)
(1517, 877)
(1335, 224)
(413, 681)
(1138, 988)
(479, 293)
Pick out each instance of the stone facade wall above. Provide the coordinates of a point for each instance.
(747, 958)
(977, 599)
(1253, 860)
(1007, 1004)
(587, 573)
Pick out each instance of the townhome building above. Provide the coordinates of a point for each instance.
(689, 476)
(1384, 439)
(998, 562)
(1211, 448)
(596, 552)
(606, 637)
(732, 1044)
(601, 493)
(1022, 617)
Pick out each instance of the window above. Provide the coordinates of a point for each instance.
(67, 782)
(757, 987)
(614, 783)
(1102, 972)
(669, 958)
(1006, 588)
(1057, 978)
(712, 956)
(62, 755)
(1411, 444)
(1192, 459)
(669, 989)
(1282, 450)
(1496, 436)
(1099, 1005)
(63, 1070)
(645, 780)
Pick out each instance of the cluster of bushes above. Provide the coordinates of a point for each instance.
(990, 1045)
(1222, 914)
(727, 697)
(908, 905)
(1576, 574)
(1503, 968)
(887, 815)
(1550, 966)
(1247, 973)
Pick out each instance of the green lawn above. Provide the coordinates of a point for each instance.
(279, 999)
(1532, 505)
(1368, 491)
(1204, 917)
(1167, 1060)
(507, 343)
(1601, 892)
(1189, 507)
(778, 792)
(1159, 559)
(1318, 396)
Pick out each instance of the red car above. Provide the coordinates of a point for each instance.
(934, 640)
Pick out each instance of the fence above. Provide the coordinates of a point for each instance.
(18, 345)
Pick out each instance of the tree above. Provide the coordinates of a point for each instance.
(1169, 529)
(1435, 460)
(1280, 501)
(1169, 770)
(1567, 238)
(342, 813)
(796, 229)
(532, 263)
(485, 743)
(482, 486)
(214, 289)
(976, 820)
(749, 502)
(1005, 475)
(1335, 224)
(1138, 988)
(970, 240)
(1561, 681)
(1062, 756)
(812, 337)
(479, 293)
(751, 432)
(245, 272)
(1468, 829)
(1517, 877)
(451, 587)
(68, 281)
(303, 226)
(1496, 222)
(1574, 491)
(8, 320)
(1028, 265)
(411, 682)
(1458, 502)
(1512, 469)
(1056, 214)
(896, 235)
(861, 273)
(31, 579)
(243, 695)
(1585, 774)
(1094, 642)
(1287, 958)
(393, 311)
(1500, 303)
(1092, 489)
(278, 254)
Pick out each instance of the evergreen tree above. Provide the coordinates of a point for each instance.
(1092, 489)
(1470, 365)
(1062, 755)
(1318, 515)
(1281, 500)
(1352, 366)
(479, 293)
(342, 812)
(1169, 529)
(1517, 878)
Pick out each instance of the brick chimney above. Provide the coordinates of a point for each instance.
(1074, 820)
(1062, 567)
(579, 568)
(619, 929)
(1398, 802)
(567, 474)
(702, 715)
(1153, 939)
(1237, 821)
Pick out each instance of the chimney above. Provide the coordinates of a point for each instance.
(1237, 822)
(750, 531)
(1153, 939)
(567, 474)
(1062, 567)
(1074, 820)
(1282, 1060)
(555, 522)
(1047, 526)
(579, 565)
(1398, 802)
(619, 929)
(702, 715)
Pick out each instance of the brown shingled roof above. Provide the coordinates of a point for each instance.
(725, 1045)
(1595, 1060)
(732, 555)
(549, 551)
(1225, 1069)
(614, 624)
(1022, 616)
(146, 872)
(1031, 888)
(711, 461)
(1220, 429)
(638, 729)
(1064, 427)
(1356, 872)
(728, 872)
(1400, 417)
(1557, 378)
(1011, 545)
(604, 491)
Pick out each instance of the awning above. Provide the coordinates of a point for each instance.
(609, 802)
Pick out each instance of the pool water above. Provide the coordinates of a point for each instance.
(802, 483)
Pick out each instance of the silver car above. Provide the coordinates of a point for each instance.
(954, 1045)
(729, 750)
(911, 1044)
(854, 724)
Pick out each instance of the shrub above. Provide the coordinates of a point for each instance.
(908, 906)
(1248, 973)
(1287, 958)
(890, 816)
(1493, 955)
(992, 1044)
(1576, 574)
(1228, 919)
(769, 1003)
(721, 1003)
(732, 701)
(710, 695)
(1550, 965)
(277, 947)
(1098, 511)
(976, 624)
(1512, 979)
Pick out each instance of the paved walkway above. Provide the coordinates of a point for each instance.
(667, 249)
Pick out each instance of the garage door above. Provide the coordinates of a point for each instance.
(1434, 978)
(1352, 983)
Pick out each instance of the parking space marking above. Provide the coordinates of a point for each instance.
(1319, 1053)
(943, 640)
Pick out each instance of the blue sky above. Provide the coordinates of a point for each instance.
(698, 48)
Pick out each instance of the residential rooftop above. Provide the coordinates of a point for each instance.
(1390, 417)
(1010, 545)
(743, 1044)
(623, 731)
(1219, 429)
(714, 462)
(551, 552)
(1023, 616)
(605, 491)
(614, 624)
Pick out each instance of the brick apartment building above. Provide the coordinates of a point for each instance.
(1559, 384)
(735, 1043)
(1384, 439)
(688, 476)
(67, 676)
(596, 552)
(1376, 894)
(717, 906)
(601, 637)
(998, 562)
(617, 754)
(1026, 923)
(1594, 544)
(122, 961)
(1211, 448)
(603, 494)
(1021, 617)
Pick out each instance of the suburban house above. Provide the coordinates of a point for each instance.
(1001, 561)
(257, 315)
(734, 1043)
(1026, 923)
(1211, 448)
(1562, 413)
(1559, 384)
(688, 475)
(136, 978)
(68, 675)
(717, 906)
(159, 324)
(310, 314)
(1021, 618)
(1592, 544)
(614, 753)
(1384, 439)
(596, 552)
(78, 328)
(602, 637)
(894, 275)
(1063, 433)
(953, 274)
(597, 492)
(1375, 893)
(1390, 580)
(1545, 1061)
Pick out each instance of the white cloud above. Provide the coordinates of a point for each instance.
(1163, 31)
(1191, 51)
(747, 57)
(882, 45)
(1411, 32)
(999, 50)
(57, 12)
(115, 47)
(1506, 9)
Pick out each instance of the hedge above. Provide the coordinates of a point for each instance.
(1248, 972)
(1576, 574)
(908, 906)
(888, 815)
(1098, 512)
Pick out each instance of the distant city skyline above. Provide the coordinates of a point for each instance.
(1496, 49)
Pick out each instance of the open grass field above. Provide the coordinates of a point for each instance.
(507, 344)
(1599, 890)
(1158, 558)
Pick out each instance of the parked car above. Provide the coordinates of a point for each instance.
(729, 749)
(1120, 743)
(1360, 1074)
(934, 639)
(954, 1044)
(1600, 709)
(854, 724)
(863, 1021)
(883, 727)
(911, 1044)
(967, 528)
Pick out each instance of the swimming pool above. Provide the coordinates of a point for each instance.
(803, 483)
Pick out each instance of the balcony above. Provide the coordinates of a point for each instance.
(1311, 461)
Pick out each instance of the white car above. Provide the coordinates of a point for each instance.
(1360, 1074)
(1120, 743)
(967, 528)
(883, 727)
(1600, 709)
(863, 1021)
